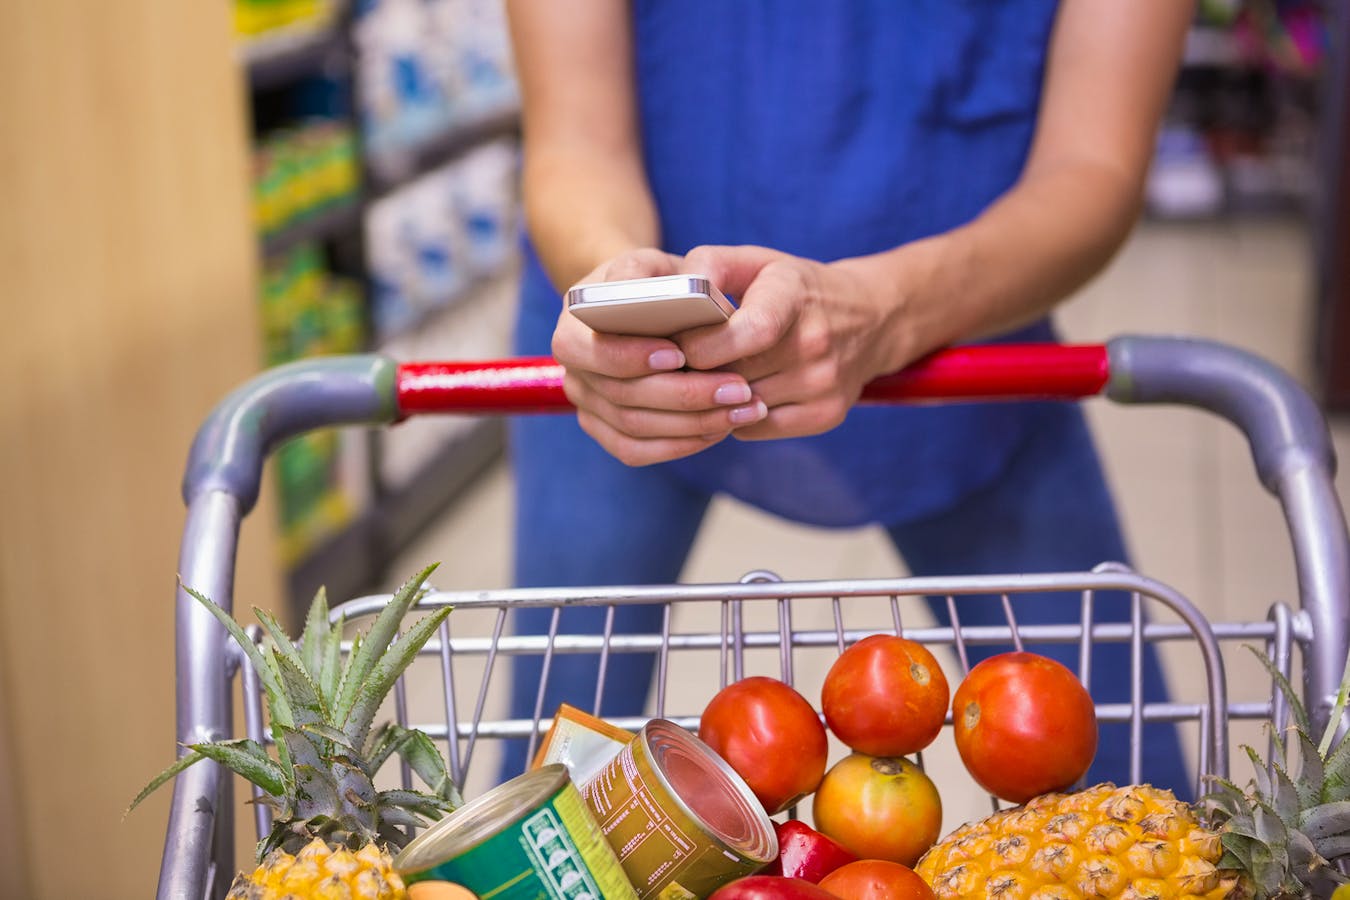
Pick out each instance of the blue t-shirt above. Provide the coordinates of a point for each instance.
(827, 129)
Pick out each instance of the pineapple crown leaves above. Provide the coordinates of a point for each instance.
(321, 713)
(1286, 832)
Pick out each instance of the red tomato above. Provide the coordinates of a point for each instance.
(770, 887)
(771, 736)
(879, 808)
(877, 879)
(885, 696)
(1024, 726)
(804, 852)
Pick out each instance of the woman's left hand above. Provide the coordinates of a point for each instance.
(806, 335)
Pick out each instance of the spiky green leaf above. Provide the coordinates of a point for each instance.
(423, 756)
(314, 633)
(1237, 850)
(1334, 847)
(402, 818)
(355, 789)
(307, 707)
(1325, 820)
(418, 802)
(336, 740)
(316, 792)
(1310, 776)
(1285, 800)
(330, 669)
(1269, 829)
(1260, 775)
(1336, 773)
(179, 765)
(248, 759)
(1296, 707)
(277, 707)
(384, 743)
(303, 748)
(283, 648)
(382, 677)
(364, 660)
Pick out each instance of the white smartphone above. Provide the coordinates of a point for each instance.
(653, 307)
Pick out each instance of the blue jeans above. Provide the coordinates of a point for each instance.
(1050, 510)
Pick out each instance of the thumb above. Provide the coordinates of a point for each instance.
(731, 269)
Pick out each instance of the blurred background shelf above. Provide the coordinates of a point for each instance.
(285, 54)
(390, 168)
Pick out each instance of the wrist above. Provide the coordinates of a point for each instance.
(916, 288)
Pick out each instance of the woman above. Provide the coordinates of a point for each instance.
(872, 180)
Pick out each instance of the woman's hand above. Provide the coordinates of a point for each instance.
(807, 336)
(632, 394)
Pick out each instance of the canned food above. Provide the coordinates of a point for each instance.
(681, 820)
(532, 837)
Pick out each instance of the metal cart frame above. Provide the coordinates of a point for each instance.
(1289, 441)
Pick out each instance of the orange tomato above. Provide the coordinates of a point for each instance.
(877, 879)
(1024, 726)
(885, 696)
(879, 808)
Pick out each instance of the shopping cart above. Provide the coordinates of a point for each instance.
(760, 621)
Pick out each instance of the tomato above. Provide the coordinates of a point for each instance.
(885, 696)
(770, 887)
(879, 808)
(877, 879)
(771, 736)
(804, 852)
(1024, 726)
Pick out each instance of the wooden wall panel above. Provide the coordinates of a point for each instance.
(128, 276)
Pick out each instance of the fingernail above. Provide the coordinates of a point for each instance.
(748, 414)
(666, 359)
(732, 393)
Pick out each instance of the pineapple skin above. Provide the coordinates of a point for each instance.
(319, 872)
(1134, 841)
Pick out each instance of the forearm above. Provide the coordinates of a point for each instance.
(1010, 266)
(582, 210)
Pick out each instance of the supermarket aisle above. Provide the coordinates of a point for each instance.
(1194, 513)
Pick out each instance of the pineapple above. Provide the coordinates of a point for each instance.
(1278, 840)
(333, 831)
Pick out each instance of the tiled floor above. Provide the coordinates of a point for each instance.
(1194, 513)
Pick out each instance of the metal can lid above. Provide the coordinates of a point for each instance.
(710, 791)
(481, 818)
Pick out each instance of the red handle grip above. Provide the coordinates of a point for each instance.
(994, 371)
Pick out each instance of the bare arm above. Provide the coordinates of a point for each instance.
(586, 195)
(591, 217)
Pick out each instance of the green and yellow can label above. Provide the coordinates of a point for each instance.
(553, 849)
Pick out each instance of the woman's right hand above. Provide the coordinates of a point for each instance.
(633, 394)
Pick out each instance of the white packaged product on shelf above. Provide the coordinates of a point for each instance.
(485, 182)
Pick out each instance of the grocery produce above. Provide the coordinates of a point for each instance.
(885, 696)
(879, 808)
(333, 830)
(876, 879)
(805, 853)
(1280, 839)
(771, 887)
(771, 736)
(1024, 726)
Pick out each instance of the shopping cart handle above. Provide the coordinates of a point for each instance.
(997, 371)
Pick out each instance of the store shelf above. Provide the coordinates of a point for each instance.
(419, 322)
(391, 168)
(340, 218)
(352, 561)
(282, 56)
